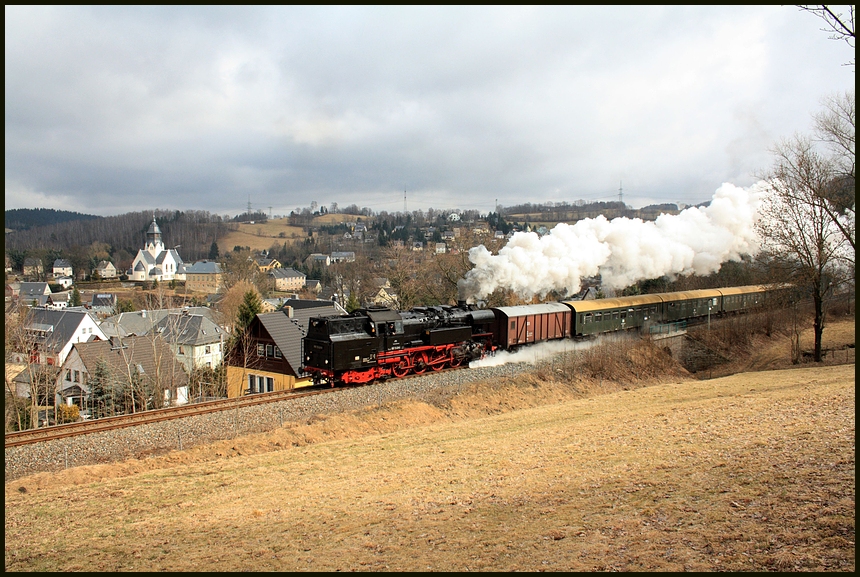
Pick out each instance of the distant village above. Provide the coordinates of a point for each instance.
(78, 348)
(82, 353)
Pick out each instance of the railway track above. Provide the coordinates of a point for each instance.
(154, 416)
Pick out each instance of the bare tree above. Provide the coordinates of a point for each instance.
(835, 127)
(840, 26)
(796, 227)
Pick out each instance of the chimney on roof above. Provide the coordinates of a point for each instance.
(289, 311)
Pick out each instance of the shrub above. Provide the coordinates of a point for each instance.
(68, 414)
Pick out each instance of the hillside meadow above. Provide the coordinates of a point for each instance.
(748, 472)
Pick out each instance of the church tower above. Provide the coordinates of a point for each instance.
(154, 243)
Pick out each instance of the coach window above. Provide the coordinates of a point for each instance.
(598, 317)
(623, 314)
(588, 318)
(615, 315)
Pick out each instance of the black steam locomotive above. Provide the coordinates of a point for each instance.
(376, 343)
(379, 343)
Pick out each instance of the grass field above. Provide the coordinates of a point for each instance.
(260, 236)
(750, 472)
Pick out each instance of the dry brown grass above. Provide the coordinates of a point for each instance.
(749, 472)
(261, 236)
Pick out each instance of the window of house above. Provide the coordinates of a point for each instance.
(270, 384)
(261, 384)
(270, 350)
(77, 376)
(181, 350)
(277, 353)
(261, 350)
(208, 349)
(252, 384)
(69, 374)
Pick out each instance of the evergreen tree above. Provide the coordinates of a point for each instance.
(251, 306)
(101, 392)
(352, 303)
(76, 297)
(213, 251)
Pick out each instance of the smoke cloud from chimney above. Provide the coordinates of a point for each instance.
(622, 251)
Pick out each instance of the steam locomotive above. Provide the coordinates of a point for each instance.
(380, 343)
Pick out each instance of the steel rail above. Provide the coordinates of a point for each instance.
(153, 416)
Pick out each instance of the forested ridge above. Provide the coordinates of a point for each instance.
(119, 236)
(26, 218)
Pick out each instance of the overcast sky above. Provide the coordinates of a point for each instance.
(110, 110)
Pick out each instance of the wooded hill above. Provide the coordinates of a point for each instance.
(119, 236)
(26, 218)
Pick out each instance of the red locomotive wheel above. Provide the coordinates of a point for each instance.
(421, 363)
(401, 369)
(438, 362)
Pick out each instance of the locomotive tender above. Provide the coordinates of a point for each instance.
(380, 343)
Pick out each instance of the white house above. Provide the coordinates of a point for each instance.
(288, 279)
(195, 340)
(62, 267)
(154, 262)
(106, 269)
(53, 332)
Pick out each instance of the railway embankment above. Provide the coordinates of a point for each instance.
(157, 438)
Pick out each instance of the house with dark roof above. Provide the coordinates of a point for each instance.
(142, 322)
(343, 256)
(103, 304)
(266, 264)
(62, 267)
(33, 267)
(106, 269)
(143, 368)
(317, 259)
(204, 276)
(288, 279)
(50, 334)
(313, 286)
(60, 300)
(268, 357)
(30, 289)
(195, 340)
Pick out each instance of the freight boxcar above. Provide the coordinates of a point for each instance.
(526, 324)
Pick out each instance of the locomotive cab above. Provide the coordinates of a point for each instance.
(337, 343)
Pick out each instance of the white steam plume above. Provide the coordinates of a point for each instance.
(622, 251)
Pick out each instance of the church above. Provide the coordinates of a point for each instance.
(153, 262)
